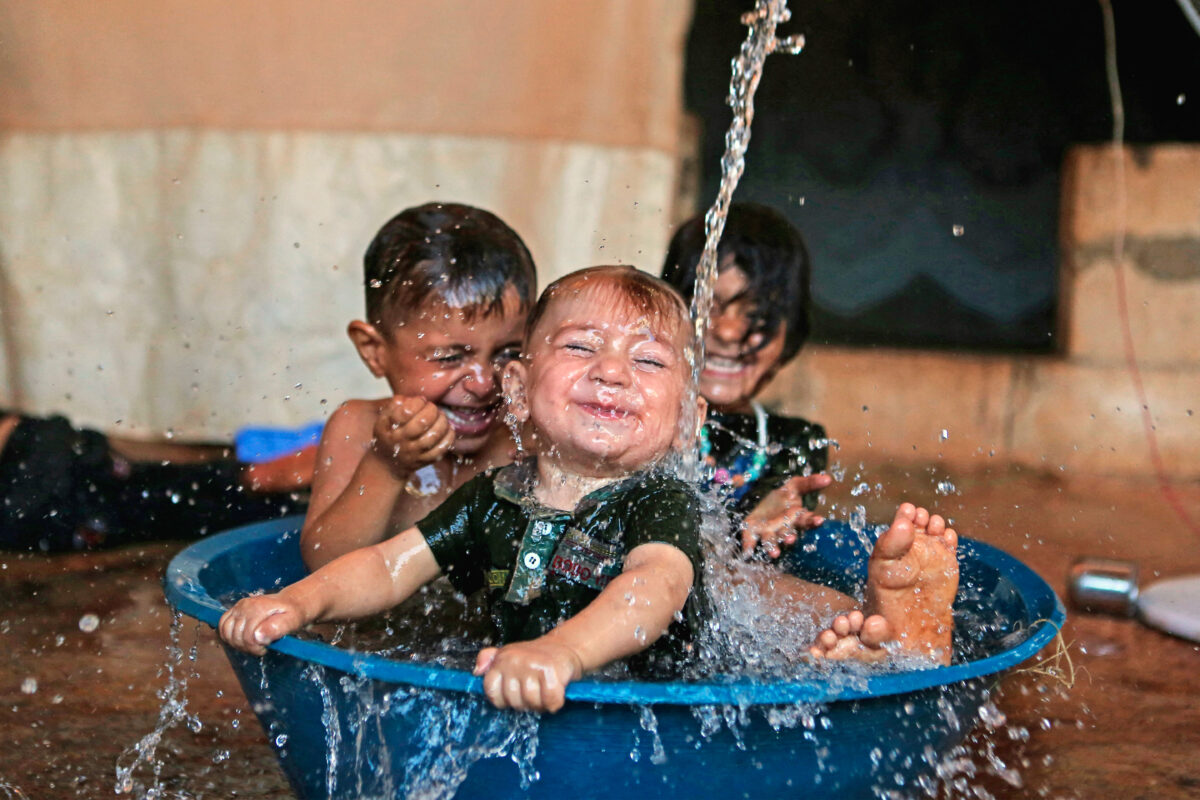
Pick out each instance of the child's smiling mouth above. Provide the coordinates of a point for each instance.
(605, 411)
(727, 365)
(470, 420)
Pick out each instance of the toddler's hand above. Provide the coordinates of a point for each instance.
(411, 432)
(528, 676)
(778, 517)
(257, 621)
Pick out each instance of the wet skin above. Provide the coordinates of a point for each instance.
(452, 357)
(610, 384)
(912, 578)
(383, 464)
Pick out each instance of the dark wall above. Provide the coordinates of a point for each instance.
(918, 147)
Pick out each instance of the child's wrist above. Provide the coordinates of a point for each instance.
(399, 471)
(303, 604)
(577, 666)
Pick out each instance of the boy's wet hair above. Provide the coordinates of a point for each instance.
(461, 254)
(771, 253)
(643, 292)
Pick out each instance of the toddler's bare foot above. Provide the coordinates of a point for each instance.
(912, 578)
(853, 636)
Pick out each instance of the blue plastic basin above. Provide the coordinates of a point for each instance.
(311, 696)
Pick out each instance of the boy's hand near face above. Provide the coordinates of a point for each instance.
(528, 676)
(776, 520)
(409, 433)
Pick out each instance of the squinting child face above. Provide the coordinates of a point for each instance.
(605, 382)
(454, 358)
(736, 365)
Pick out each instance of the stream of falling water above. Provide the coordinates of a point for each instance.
(747, 71)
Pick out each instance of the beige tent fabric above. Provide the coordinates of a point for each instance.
(605, 72)
(199, 281)
(186, 187)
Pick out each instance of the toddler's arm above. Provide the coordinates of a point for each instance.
(366, 456)
(631, 613)
(358, 584)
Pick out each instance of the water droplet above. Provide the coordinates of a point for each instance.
(88, 623)
(281, 740)
(958, 230)
(1181, 99)
(29, 686)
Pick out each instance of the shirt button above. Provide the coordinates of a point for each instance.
(532, 560)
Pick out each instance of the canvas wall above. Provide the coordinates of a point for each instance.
(186, 187)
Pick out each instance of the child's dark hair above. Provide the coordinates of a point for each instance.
(771, 253)
(641, 290)
(463, 254)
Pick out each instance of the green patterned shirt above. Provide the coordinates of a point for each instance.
(540, 566)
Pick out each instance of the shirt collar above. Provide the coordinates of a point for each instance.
(515, 482)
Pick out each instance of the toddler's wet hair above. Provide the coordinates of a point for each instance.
(461, 254)
(639, 290)
(771, 253)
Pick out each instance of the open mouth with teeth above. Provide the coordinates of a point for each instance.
(719, 366)
(471, 420)
(605, 412)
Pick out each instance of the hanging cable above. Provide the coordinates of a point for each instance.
(1118, 144)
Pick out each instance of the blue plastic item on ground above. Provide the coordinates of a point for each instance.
(257, 444)
(355, 725)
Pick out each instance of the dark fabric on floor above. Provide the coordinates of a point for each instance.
(61, 488)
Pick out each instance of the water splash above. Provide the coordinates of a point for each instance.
(649, 723)
(449, 733)
(10, 791)
(172, 713)
(747, 71)
(315, 673)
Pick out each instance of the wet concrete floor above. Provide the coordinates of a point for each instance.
(71, 701)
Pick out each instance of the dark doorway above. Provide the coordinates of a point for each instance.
(918, 147)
